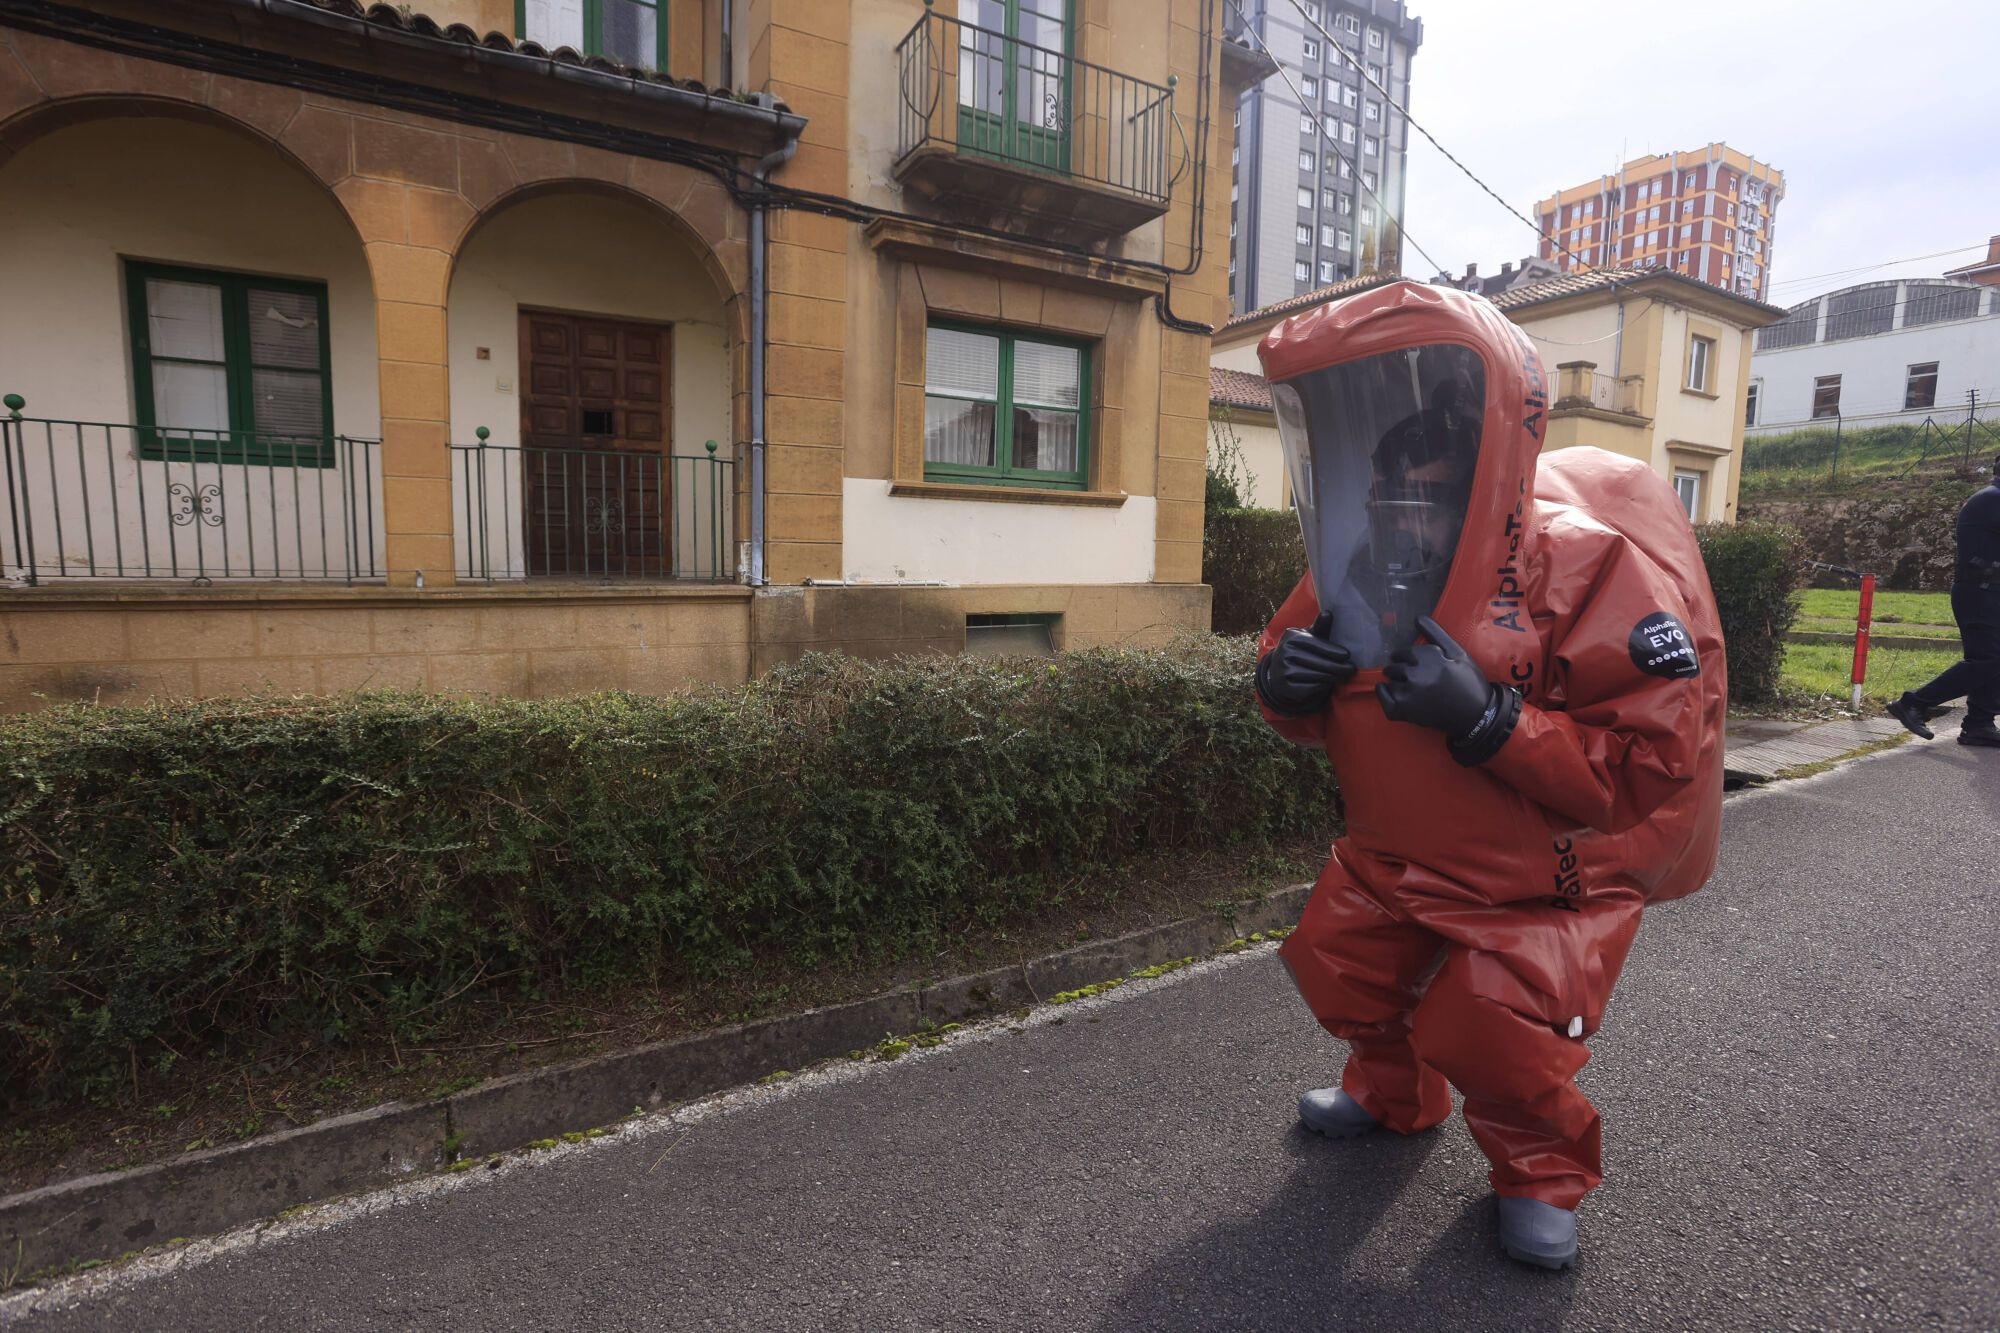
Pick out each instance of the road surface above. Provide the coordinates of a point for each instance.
(1799, 1079)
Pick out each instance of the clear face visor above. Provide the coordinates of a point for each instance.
(1381, 454)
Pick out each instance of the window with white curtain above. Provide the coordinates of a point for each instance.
(1005, 409)
(230, 367)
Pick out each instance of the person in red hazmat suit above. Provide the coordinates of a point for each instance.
(1515, 664)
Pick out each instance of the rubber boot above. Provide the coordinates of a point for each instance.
(1537, 1233)
(1979, 733)
(1331, 1113)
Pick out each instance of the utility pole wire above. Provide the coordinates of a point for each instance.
(1362, 70)
(1319, 124)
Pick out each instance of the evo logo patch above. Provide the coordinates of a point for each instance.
(1661, 646)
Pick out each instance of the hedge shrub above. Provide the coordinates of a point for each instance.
(1252, 558)
(1755, 569)
(181, 877)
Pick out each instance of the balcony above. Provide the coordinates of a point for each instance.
(1027, 138)
(1582, 388)
(100, 500)
(591, 514)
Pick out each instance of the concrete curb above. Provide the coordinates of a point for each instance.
(1821, 743)
(107, 1215)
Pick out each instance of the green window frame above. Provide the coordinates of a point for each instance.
(1011, 417)
(992, 121)
(242, 441)
(593, 28)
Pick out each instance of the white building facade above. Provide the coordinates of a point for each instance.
(1878, 354)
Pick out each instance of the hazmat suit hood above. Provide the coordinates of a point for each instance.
(1411, 418)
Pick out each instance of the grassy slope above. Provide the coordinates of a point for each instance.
(1806, 459)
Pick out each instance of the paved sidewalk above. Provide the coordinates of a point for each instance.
(1760, 749)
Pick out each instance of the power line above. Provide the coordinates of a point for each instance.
(1416, 125)
(1319, 125)
(1866, 268)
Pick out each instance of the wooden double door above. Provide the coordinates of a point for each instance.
(596, 410)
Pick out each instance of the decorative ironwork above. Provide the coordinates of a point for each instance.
(602, 516)
(189, 503)
(95, 499)
(979, 91)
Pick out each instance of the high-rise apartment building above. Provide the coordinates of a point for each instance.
(1309, 208)
(1709, 213)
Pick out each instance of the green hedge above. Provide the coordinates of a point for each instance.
(1755, 568)
(1252, 558)
(179, 878)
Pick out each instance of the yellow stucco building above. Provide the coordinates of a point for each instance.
(1651, 364)
(538, 346)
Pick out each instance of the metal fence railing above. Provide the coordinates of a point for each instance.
(980, 91)
(536, 511)
(1879, 443)
(92, 499)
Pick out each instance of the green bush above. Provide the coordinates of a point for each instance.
(182, 878)
(1755, 568)
(1252, 558)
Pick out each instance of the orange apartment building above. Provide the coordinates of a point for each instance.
(544, 346)
(1709, 213)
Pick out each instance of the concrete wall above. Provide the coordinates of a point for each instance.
(1874, 371)
(1255, 435)
(98, 646)
(905, 538)
(106, 646)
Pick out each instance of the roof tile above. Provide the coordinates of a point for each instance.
(1239, 388)
(1318, 296)
(403, 19)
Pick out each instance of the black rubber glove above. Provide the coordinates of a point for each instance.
(1436, 685)
(1297, 677)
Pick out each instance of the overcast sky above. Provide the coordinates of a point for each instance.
(1884, 118)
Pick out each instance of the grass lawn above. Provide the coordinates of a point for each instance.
(1891, 608)
(1825, 668)
(1833, 625)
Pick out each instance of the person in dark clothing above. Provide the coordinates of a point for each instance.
(1975, 604)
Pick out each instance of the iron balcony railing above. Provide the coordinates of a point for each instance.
(981, 92)
(93, 499)
(539, 511)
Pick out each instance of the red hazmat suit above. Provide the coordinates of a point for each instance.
(1471, 923)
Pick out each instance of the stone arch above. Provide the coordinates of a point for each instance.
(547, 265)
(698, 211)
(181, 213)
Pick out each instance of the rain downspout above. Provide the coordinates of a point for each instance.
(728, 44)
(759, 305)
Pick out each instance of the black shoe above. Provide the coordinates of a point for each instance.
(1911, 714)
(1537, 1233)
(1982, 734)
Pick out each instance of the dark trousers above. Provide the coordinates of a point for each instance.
(1977, 678)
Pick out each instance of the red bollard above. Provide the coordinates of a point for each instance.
(1861, 636)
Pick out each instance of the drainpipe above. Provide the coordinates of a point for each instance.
(728, 53)
(759, 305)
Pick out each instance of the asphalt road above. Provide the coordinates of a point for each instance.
(1799, 1080)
